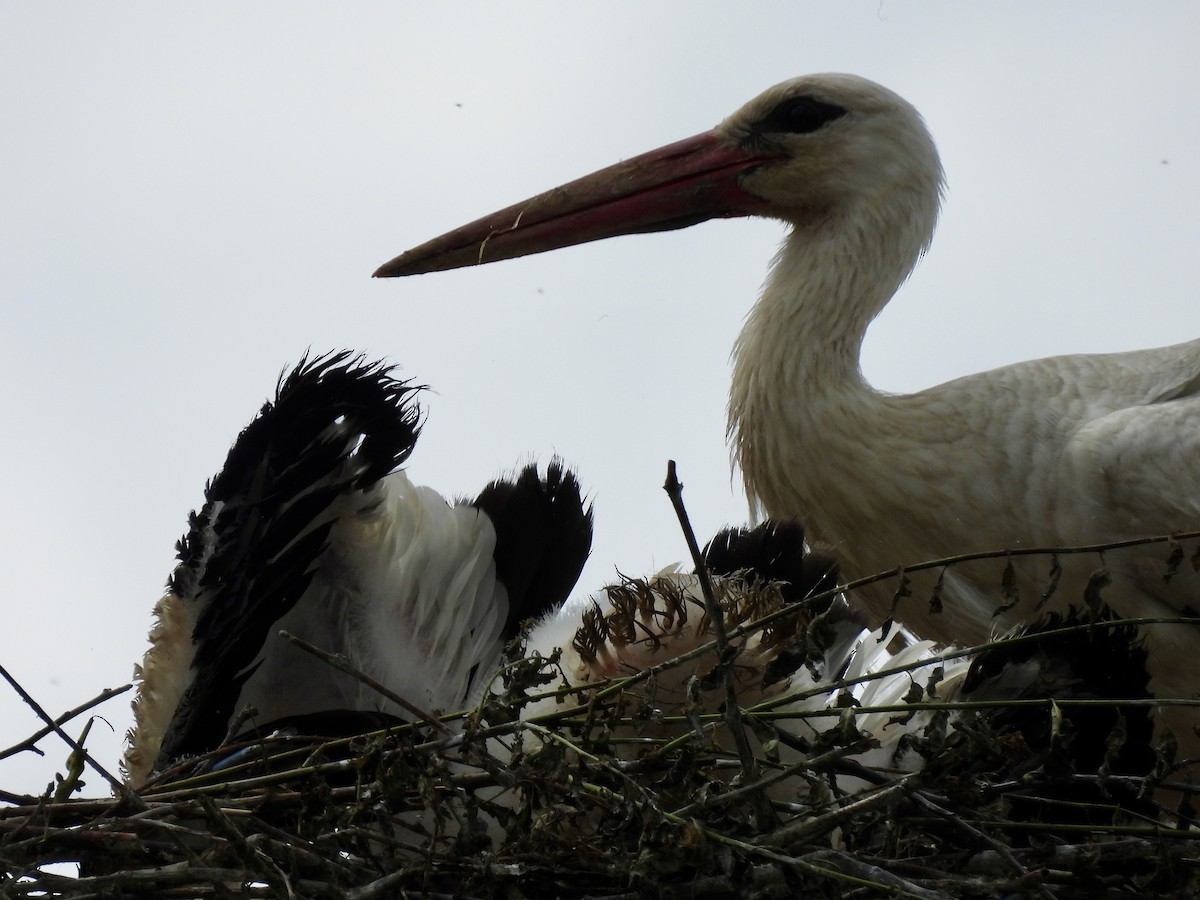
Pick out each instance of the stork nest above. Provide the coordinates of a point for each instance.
(610, 796)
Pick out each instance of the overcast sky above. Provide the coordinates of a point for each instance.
(194, 195)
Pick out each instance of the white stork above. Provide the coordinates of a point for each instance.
(310, 528)
(1065, 451)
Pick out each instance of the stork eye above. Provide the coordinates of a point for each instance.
(799, 115)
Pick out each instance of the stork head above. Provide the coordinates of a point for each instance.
(806, 151)
(833, 142)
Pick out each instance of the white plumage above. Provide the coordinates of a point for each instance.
(1055, 452)
(309, 528)
(408, 589)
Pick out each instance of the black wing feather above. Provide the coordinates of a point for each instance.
(543, 537)
(773, 551)
(337, 424)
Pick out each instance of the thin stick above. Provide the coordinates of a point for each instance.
(116, 783)
(29, 742)
(725, 653)
(1004, 853)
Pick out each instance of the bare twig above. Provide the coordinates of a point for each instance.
(116, 783)
(29, 742)
(725, 652)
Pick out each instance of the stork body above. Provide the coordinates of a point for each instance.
(985, 462)
(310, 528)
(1055, 452)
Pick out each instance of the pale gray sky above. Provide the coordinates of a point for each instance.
(195, 195)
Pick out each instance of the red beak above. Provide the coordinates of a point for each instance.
(675, 186)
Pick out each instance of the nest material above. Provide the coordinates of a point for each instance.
(611, 795)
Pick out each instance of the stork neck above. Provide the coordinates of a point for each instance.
(796, 376)
(827, 284)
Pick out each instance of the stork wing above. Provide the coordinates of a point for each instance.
(337, 424)
(1136, 457)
